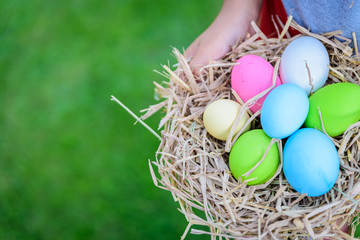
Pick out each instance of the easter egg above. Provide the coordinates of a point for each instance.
(251, 76)
(339, 105)
(219, 116)
(247, 151)
(310, 162)
(284, 110)
(355, 226)
(305, 62)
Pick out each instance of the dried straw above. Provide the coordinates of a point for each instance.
(193, 166)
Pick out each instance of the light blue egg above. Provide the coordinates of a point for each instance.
(311, 163)
(284, 110)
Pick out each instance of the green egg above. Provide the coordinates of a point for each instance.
(355, 226)
(339, 104)
(247, 151)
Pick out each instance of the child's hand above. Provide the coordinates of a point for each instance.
(231, 24)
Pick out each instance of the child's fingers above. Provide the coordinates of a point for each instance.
(192, 49)
(207, 52)
(200, 58)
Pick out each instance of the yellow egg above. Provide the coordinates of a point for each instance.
(220, 115)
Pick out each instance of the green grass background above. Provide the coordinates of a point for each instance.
(72, 164)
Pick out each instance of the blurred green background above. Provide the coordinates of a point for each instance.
(73, 165)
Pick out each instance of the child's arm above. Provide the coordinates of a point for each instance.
(231, 24)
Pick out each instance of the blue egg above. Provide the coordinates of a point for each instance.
(284, 110)
(310, 162)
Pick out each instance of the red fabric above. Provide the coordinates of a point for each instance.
(272, 7)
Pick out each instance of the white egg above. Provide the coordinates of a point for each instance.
(305, 62)
(220, 115)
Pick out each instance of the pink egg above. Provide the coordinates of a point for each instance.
(250, 77)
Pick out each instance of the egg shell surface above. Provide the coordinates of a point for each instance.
(284, 110)
(220, 115)
(339, 104)
(247, 151)
(302, 56)
(355, 226)
(310, 162)
(252, 76)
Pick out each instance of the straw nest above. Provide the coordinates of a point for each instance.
(193, 166)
